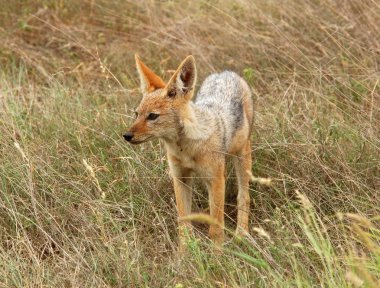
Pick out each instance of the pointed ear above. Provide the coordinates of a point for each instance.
(183, 81)
(149, 81)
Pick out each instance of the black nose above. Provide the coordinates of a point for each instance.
(128, 136)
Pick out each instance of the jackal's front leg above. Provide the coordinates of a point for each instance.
(183, 194)
(216, 187)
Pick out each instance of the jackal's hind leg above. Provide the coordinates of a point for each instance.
(243, 163)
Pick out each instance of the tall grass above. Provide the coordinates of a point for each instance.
(81, 208)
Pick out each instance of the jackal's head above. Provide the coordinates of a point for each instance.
(163, 105)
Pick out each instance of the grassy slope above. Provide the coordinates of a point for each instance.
(80, 208)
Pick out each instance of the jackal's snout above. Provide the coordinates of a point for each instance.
(128, 136)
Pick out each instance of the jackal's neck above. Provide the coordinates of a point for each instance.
(197, 124)
(196, 127)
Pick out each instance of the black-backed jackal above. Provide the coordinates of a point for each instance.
(198, 135)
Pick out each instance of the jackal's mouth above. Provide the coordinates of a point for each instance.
(139, 141)
(134, 142)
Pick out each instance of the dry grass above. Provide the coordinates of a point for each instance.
(80, 208)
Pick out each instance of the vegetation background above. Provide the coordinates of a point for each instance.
(81, 208)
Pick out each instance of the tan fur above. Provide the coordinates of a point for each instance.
(151, 80)
(194, 139)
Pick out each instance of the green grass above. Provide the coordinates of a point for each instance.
(79, 207)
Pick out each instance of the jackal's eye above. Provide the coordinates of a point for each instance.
(152, 116)
(172, 93)
(136, 114)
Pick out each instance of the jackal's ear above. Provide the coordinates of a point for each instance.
(149, 81)
(183, 81)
